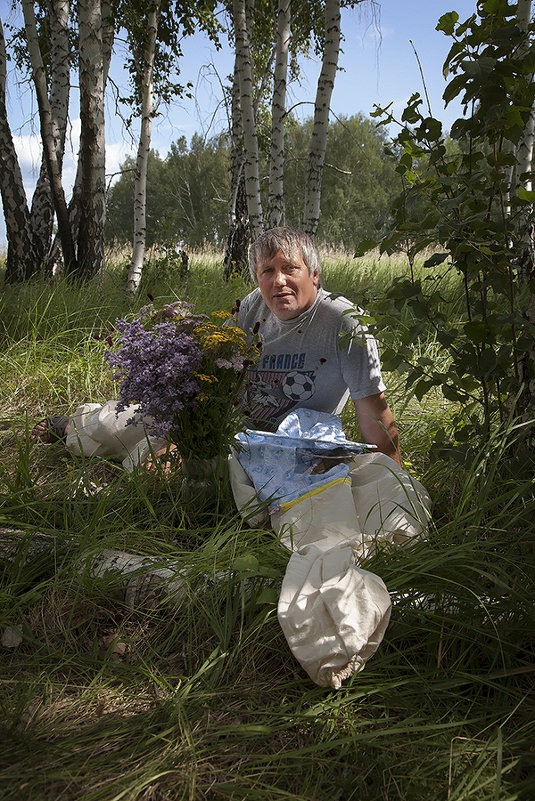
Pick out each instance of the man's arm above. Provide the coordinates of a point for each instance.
(377, 424)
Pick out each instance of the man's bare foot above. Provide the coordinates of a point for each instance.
(51, 429)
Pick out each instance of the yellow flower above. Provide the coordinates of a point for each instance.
(213, 341)
(223, 315)
(203, 377)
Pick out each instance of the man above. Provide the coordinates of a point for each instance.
(315, 355)
(306, 360)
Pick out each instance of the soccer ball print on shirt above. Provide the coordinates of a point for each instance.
(271, 394)
(298, 386)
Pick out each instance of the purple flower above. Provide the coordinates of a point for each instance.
(155, 367)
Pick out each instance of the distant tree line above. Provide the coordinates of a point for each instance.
(188, 190)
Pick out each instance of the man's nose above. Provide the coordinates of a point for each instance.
(280, 278)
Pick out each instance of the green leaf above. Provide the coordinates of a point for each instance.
(422, 387)
(411, 113)
(364, 246)
(431, 128)
(525, 194)
(453, 88)
(447, 22)
(481, 68)
(476, 331)
(269, 595)
(487, 362)
(244, 563)
(436, 258)
(451, 393)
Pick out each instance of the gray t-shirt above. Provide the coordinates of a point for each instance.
(304, 363)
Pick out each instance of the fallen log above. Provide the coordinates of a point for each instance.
(142, 579)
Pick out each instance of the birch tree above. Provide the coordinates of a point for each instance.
(20, 258)
(155, 30)
(525, 146)
(42, 207)
(318, 143)
(140, 184)
(92, 140)
(235, 260)
(50, 135)
(524, 155)
(244, 72)
(278, 115)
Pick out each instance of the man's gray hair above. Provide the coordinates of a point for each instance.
(290, 242)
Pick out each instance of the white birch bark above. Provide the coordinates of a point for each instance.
(92, 197)
(142, 579)
(525, 146)
(318, 143)
(237, 155)
(245, 79)
(237, 244)
(50, 134)
(524, 155)
(140, 182)
(275, 212)
(107, 45)
(42, 210)
(20, 260)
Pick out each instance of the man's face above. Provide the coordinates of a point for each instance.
(286, 285)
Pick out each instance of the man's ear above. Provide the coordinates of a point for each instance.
(316, 277)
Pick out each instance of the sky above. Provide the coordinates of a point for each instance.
(378, 62)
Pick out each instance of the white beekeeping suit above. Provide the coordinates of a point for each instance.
(333, 613)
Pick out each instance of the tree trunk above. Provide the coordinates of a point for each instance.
(74, 204)
(318, 143)
(20, 258)
(245, 79)
(524, 154)
(140, 184)
(143, 580)
(237, 247)
(49, 134)
(92, 197)
(525, 146)
(42, 211)
(235, 261)
(278, 114)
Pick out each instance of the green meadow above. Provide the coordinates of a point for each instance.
(195, 695)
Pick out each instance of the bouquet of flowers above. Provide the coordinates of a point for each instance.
(183, 372)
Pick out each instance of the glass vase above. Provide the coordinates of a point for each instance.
(199, 483)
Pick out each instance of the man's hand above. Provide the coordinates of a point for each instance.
(377, 424)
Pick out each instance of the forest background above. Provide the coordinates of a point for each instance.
(378, 64)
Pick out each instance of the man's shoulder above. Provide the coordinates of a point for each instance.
(251, 304)
(251, 299)
(337, 307)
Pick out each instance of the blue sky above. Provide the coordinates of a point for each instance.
(378, 66)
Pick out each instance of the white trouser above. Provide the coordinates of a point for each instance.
(98, 430)
(333, 613)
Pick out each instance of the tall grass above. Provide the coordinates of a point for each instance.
(197, 697)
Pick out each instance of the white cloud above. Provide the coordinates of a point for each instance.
(28, 149)
(116, 153)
